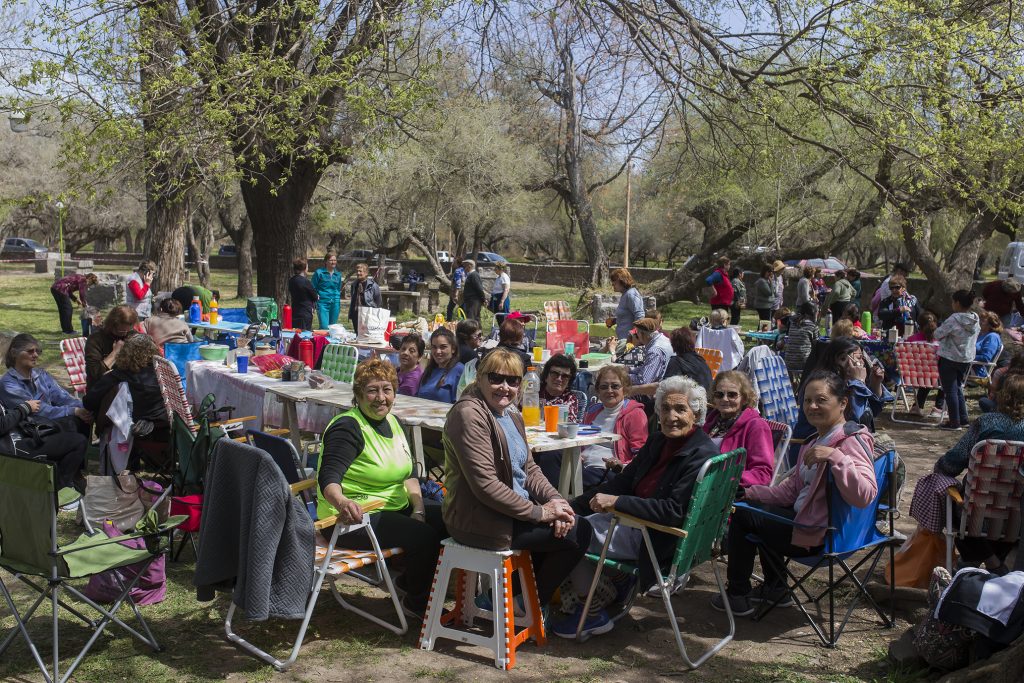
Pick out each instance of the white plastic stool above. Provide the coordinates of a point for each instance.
(498, 565)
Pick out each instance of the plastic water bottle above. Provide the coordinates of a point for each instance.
(195, 311)
(828, 324)
(531, 398)
(214, 315)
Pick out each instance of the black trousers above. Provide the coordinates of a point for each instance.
(66, 450)
(66, 311)
(421, 542)
(777, 537)
(734, 315)
(553, 558)
(472, 309)
(303, 320)
(764, 314)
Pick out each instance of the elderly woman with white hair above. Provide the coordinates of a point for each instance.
(656, 485)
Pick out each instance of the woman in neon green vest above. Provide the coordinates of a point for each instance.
(365, 456)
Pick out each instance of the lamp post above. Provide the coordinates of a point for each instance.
(60, 231)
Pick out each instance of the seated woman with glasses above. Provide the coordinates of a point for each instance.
(470, 337)
(26, 381)
(735, 423)
(556, 385)
(365, 457)
(497, 497)
(617, 414)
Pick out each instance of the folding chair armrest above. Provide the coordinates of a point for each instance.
(636, 522)
(301, 486)
(171, 524)
(278, 431)
(326, 522)
(954, 493)
(233, 420)
(771, 515)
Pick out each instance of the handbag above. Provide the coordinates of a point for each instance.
(914, 561)
(38, 428)
(113, 498)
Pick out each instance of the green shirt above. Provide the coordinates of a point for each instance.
(379, 472)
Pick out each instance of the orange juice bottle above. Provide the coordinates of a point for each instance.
(531, 398)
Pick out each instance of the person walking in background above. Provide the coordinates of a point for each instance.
(327, 283)
(365, 293)
(138, 294)
(500, 290)
(854, 278)
(779, 282)
(805, 289)
(840, 297)
(473, 293)
(64, 290)
(455, 298)
(739, 295)
(957, 337)
(821, 290)
(764, 293)
(721, 284)
(303, 295)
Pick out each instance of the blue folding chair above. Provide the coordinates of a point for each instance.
(849, 530)
(777, 400)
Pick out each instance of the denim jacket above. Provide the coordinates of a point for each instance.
(56, 401)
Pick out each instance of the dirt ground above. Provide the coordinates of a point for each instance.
(342, 647)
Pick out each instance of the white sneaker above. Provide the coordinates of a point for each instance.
(936, 413)
(70, 507)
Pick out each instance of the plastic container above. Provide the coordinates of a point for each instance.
(213, 351)
(195, 311)
(214, 314)
(286, 317)
(531, 398)
(306, 352)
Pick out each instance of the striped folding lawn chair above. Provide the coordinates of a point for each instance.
(73, 353)
(918, 366)
(777, 400)
(557, 310)
(713, 357)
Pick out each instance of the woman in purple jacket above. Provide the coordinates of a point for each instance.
(735, 423)
(409, 369)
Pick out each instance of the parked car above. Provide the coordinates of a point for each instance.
(486, 258)
(227, 250)
(1012, 262)
(22, 247)
(828, 265)
(444, 258)
(357, 255)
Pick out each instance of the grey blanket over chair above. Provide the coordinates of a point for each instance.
(254, 536)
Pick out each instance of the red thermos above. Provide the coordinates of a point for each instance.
(286, 317)
(306, 352)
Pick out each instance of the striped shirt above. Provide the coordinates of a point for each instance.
(656, 359)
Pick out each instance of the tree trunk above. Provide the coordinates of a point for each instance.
(166, 225)
(245, 251)
(579, 196)
(274, 211)
(435, 265)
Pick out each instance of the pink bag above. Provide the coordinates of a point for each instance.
(151, 587)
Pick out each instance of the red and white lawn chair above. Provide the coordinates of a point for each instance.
(73, 352)
(561, 332)
(918, 366)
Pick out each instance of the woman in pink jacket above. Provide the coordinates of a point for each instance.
(615, 413)
(847, 448)
(735, 423)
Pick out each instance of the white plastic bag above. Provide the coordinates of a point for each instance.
(372, 324)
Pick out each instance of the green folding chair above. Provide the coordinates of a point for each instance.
(339, 362)
(29, 548)
(700, 540)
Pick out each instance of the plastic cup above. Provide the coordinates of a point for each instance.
(551, 418)
(570, 348)
(538, 354)
(243, 364)
(545, 355)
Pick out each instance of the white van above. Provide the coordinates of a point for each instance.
(1012, 262)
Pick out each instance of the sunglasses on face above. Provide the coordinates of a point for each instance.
(727, 394)
(496, 379)
(609, 387)
(560, 376)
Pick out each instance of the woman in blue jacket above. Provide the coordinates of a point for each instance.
(440, 380)
(989, 343)
(327, 282)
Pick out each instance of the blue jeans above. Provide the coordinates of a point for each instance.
(951, 376)
(493, 305)
(327, 312)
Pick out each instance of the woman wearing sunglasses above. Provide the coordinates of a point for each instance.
(497, 496)
(735, 423)
(615, 413)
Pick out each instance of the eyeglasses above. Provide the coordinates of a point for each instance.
(727, 394)
(37, 352)
(609, 387)
(560, 376)
(496, 379)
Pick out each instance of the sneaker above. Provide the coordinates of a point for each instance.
(936, 413)
(949, 426)
(741, 605)
(594, 625)
(765, 594)
(623, 589)
(916, 410)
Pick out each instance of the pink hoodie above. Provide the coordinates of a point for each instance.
(752, 432)
(853, 472)
(631, 425)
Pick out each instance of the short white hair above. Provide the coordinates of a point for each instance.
(695, 394)
(719, 316)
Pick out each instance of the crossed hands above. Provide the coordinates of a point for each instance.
(558, 513)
